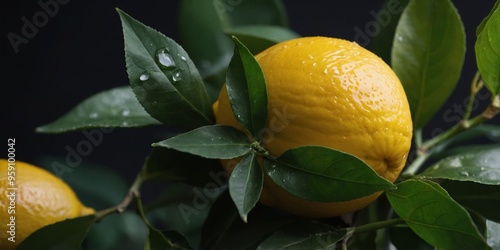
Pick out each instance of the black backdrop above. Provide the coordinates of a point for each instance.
(79, 52)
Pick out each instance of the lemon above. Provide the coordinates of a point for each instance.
(329, 92)
(40, 199)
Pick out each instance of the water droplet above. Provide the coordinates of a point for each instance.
(464, 173)
(314, 64)
(325, 71)
(336, 71)
(164, 58)
(400, 38)
(93, 115)
(182, 57)
(126, 112)
(483, 168)
(144, 76)
(177, 75)
(125, 123)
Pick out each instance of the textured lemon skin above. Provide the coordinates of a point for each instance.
(41, 199)
(334, 93)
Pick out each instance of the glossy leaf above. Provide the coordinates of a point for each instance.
(116, 107)
(172, 165)
(433, 215)
(304, 235)
(488, 52)
(481, 166)
(118, 231)
(163, 77)
(213, 142)
(66, 234)
(317, 173)
(245, 184)
(428, 54)
(246, 89)
(260, 37)
(485, 20)
(480, 198)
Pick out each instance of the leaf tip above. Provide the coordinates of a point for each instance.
(244, 217)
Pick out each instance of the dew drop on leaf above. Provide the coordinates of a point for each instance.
(165, 59)
(125, 112)
(93, 115)
(182, 57)
(177, 75)
(144, 76)
(464, 173)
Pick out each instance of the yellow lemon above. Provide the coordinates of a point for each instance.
(39, 200)
(329, 92)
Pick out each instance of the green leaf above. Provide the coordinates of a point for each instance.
(116, 232)
(245, 184)
(488, 52)
(163, 77)
(158, 240)
(493, 235)
(63, 235)
(485, 20)
(116, 107)
(428, 54)
(317, 173)
(260, 37)
(304, 235)
(480, 198)
(213, 142)
(246, 89)
(481, 166)
(433, 215)
(171, 165)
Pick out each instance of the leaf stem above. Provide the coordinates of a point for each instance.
(490, 112)
(418, 138)
(416, 164)
(377, 225)
(133, 193)
(466, 123)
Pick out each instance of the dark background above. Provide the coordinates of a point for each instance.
(80, 52)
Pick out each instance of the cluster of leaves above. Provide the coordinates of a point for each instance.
(453, 204)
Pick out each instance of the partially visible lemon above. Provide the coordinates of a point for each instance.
(40, 199)
(333, 93)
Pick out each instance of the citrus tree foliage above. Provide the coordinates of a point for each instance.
(446, 198)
